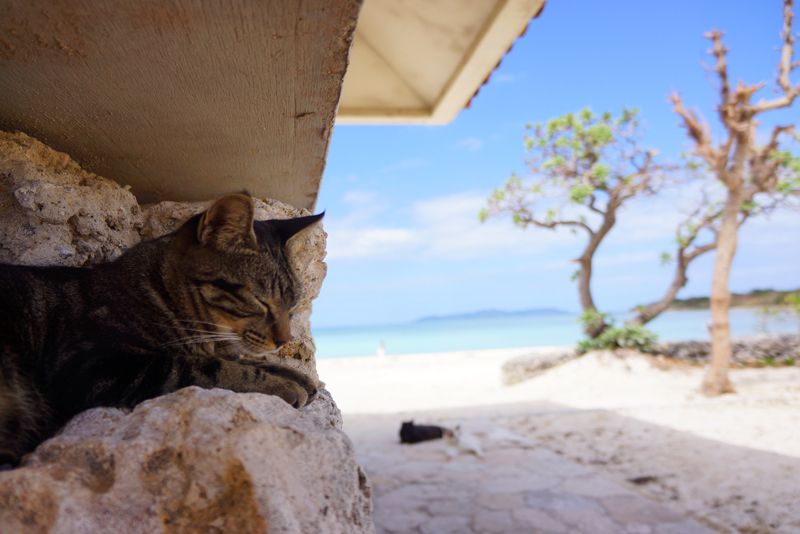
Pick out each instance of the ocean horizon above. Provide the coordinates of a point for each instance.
(504, 330)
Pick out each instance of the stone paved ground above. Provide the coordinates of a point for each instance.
(514, 488)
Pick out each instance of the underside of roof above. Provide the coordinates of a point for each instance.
(420, 62)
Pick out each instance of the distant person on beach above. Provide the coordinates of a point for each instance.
(381, 350)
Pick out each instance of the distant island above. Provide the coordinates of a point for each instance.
(492, 314)
(757, 298)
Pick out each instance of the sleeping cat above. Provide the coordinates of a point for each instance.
(186, 309)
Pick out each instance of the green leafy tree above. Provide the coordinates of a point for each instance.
(753, 176)
(583, 168)
(628, 336)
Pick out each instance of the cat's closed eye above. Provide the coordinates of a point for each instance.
(224, 285)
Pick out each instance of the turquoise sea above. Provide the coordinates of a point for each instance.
(509, 332)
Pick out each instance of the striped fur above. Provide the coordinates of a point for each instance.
(185, 309)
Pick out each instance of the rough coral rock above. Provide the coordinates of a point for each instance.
(528, 366)
(193, 461)
(747, 350)
(52, 212)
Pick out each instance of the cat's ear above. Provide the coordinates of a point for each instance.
(288, 228)
(228, 223)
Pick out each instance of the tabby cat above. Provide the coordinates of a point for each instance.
(186, 309)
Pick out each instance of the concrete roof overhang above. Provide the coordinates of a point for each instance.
(190, 99)
(421, 62)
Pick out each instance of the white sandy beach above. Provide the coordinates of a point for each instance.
(732, 462)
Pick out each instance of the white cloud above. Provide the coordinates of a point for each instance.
(367, 242)
(471, 143)
(626, 258)
(441, 228)
(359, 197)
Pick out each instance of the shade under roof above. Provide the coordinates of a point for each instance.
(191, 99)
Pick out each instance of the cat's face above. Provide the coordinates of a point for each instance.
(238, 278)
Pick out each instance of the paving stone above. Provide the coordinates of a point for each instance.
(467, 478)
(505, 456)
(539, 519)
(529, 482)
(685, 526)
(493, 522)
(638, 510)
(464, 464)
(513, 490)
(589, 521)
(501, 501)
(512, 470)
(450, 507)
(593, 486)
(549, 500)
(429, 455)
(414, 471)
(421, 492)
(398, 502)
(382, 481)
(447, 525)
(392, 520)
(546, 462)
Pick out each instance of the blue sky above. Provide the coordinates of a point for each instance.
(401, 202)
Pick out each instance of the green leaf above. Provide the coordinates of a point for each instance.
(529, 144)
(556, 161)
(586, 115)
(579, 193)
(600, 171)
(600, 134)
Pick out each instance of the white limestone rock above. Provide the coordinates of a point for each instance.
(52, 212)
(193, 461)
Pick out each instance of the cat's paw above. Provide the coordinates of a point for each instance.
(298, 394)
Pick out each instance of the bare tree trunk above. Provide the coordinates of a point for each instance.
(585, 273)
(585, 295)
(716, 380)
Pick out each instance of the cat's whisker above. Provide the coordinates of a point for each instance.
(196, 322)
(202, 339)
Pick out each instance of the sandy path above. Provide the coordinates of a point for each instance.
(731, 462)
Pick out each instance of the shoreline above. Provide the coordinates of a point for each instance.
(516, 333)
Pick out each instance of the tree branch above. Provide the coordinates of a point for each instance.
(698, 131)
(785, 66)
(721, 68)
(553, 224)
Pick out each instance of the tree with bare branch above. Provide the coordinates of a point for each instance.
(583, 168)
(703, 219)
(755, 177)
